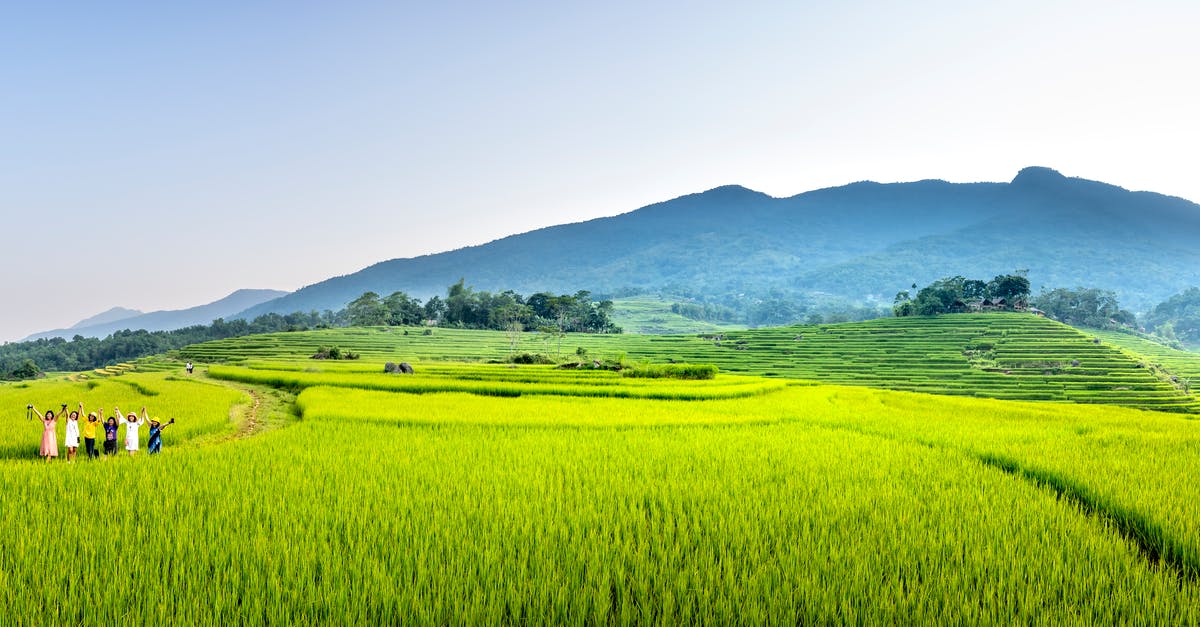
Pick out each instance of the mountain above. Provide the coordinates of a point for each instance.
(112, 315)
(861, 243)
(164, 320)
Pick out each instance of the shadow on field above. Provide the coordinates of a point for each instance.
(1154, 543)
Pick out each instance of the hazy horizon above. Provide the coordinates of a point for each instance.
(162, 157)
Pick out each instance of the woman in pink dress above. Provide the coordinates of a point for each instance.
(49, 434)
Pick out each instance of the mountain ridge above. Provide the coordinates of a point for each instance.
(110, 315)
(732, 240)
(165, 320)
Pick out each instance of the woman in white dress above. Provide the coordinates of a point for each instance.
(71, 439)
(132, 424)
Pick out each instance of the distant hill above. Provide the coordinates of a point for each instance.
(104, 324)
(860, 242)
(112, 315)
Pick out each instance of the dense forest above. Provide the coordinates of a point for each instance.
(462, 308)
(1178, 318)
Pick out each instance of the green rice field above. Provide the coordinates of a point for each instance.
(480, 493)
(1005, 356)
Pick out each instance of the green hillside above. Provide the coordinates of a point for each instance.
(1171, 361)
(1006, 356)
(650, 315)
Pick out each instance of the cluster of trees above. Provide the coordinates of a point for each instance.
(26, 360)
(1087, 307)
(466, 308)
(705, 312)
(957, 294)
(1178, 318)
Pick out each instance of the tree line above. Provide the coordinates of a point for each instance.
(465, 308)
(27, 360)
(1082, 306)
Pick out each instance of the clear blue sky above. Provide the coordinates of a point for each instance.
(159, 155)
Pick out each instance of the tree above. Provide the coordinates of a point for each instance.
(512, 318)
(1011, 287)
(27, 370)
(367, 310)
(459, 305)
(403, 310)
(974, 289)
(435, 309)
(550, 333)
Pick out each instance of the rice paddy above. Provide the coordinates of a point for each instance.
(1005, 356)
(476, 493)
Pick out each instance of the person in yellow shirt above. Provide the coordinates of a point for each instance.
(89, 433)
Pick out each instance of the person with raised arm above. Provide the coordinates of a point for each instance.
(154, 441)
(71, 438)
(89, 432)
(132, 424)
(110, 432)
(49, 432)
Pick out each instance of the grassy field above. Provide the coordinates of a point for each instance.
(473, 493)
(1006, 356)
(203, 409)
(797, 504)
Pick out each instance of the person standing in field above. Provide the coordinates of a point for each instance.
(154, 441)
(189, 367)
(71, 438)
(110, 435)
(49, 433)
(132, 424)
(89, 434)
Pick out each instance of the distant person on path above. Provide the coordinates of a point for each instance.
(89, 434)
(189, 367)
(71, 439)
(154, 442)
(132, 424)
(49, 433)
(110, 435)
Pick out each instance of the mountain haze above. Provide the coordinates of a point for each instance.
(164, 320)
(104, 317)
(860, 242)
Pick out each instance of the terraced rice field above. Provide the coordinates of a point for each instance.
(1175, 363)
(796, 504)
(1006, 356)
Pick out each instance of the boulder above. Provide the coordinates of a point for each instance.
(391, 368)
(405, 368)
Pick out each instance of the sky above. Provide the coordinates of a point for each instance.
(161, 155)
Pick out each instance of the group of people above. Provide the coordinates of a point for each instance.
(133, 425)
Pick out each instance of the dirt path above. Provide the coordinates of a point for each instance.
(251, 424)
